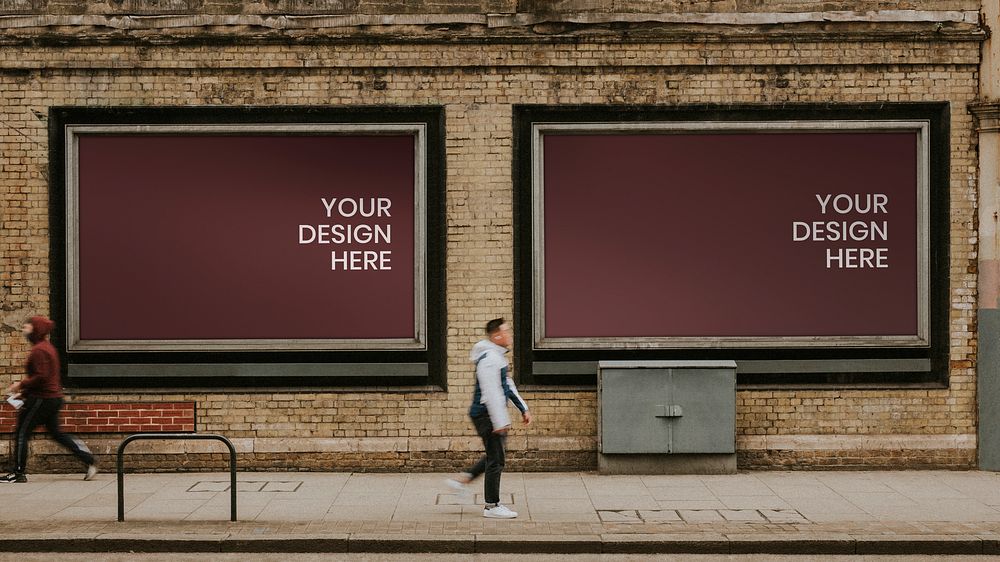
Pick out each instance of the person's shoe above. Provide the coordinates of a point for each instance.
(459, 487)
(14, 477)
(499, 512)
(91, 472)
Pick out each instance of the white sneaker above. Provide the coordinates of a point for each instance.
(499, 512)
(459, 488)
(91, 472)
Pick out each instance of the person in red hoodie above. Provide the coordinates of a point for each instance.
(43, 398)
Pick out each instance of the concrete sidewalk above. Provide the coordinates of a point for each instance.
(755, 512)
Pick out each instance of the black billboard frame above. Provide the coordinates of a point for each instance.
(124, 371)
(817, 367)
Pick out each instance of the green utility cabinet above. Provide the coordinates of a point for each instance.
(667, 417)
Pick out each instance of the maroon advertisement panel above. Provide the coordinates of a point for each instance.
(791, 234)
(271, 236)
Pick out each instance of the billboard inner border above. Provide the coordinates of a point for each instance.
(919, 126)
(76, 344)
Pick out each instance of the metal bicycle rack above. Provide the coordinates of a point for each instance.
(182, 436)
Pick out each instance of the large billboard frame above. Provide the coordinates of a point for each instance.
(920, 339)
(279, 365)
(846, 364)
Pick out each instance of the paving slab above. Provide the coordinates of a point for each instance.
(674, 493)
(797, 490)
(155, 509)
(563, 517)
(360, 513)
(216, 511)
(660, 515)
(691, 504)
(362, 498)
(749, 515)
(700, 515)
(293, 510)
(442, 513)
(561, 506)
(754, 502)
(783, 516)
(723, 486)
(621, 516)
(623, 502)
(558, 492)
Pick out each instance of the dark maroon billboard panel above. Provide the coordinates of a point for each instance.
(743, 237)
(244, 238)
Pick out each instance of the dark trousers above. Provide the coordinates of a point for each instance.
(44, 411)
(492, 462)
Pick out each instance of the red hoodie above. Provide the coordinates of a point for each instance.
(42, 380)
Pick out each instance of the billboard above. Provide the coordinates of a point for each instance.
(731, 234)
(243, 236)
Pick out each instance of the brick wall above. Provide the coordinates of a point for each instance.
(478, 79)
(115, 417)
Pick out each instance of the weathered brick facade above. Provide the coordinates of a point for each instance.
(477, 61)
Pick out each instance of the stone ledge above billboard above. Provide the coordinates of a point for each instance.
(164, 22)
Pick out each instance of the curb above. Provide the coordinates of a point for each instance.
(690, 543)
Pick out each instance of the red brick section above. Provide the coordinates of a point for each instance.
(112, 417)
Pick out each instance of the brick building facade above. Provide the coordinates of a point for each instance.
(478, 60)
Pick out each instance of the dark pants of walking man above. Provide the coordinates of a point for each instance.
(493, 461)
(45, 411)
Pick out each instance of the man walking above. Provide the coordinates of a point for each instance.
(494, 388)
(43, 398)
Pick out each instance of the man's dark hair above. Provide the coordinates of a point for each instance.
(493, 325)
